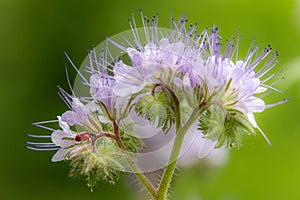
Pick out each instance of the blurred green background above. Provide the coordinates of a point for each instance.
(34, 35)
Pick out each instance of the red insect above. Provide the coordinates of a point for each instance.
(83, 136)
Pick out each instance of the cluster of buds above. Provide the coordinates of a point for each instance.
(142, 86)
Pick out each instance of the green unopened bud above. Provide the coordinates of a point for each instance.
(225, 126)
(157, 108)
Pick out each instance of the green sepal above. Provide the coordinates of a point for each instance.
(226, 126)
(157, 108)
(211, 122)
(103, 162)
(92, 172)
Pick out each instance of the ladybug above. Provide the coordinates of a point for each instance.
(83, 136)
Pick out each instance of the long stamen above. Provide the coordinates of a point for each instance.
(46, 122)
(272, 88)
(144, 26)
(278, 103)
(116, 44)
(41, 149)
(137, 34)
(264, 135)
(39, 136)
(271, 76)
(40, 145)
(257, 61)
(76, 69)
(69, 82)
(65, 97)
(43, 127)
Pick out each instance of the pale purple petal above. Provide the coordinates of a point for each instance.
(70, 117)
(60, 155)
(101, 88)
(137, 58)
(128, 80)
(249, 87)
(255, 104)
(62, 139)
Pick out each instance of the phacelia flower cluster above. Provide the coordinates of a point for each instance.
(175, 82)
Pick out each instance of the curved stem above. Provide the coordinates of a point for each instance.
(143, 179)
(180, 134)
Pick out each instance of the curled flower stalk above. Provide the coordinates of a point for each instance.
(154, 84)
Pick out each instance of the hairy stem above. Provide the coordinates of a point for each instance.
(169, 170)
(142, 178)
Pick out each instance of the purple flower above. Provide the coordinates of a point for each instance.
(191, 60)
(78, 114)
(65, 139)
(177, 90)
(101, 87)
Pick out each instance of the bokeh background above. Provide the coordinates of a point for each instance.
(33, 37)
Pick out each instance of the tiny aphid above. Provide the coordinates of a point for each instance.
(83, 136)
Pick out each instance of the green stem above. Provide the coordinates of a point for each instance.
(169, 171)
(142, 178)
